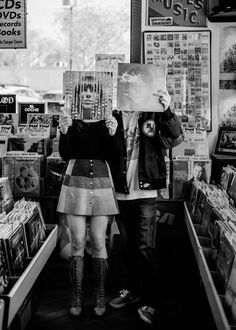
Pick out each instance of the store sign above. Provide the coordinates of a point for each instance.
(7, 103)
(12, 24)
(176, 13)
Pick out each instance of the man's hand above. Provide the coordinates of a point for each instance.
(164, 98)
(111, 124)
(65, 122)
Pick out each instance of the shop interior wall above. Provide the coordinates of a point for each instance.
(215, 29)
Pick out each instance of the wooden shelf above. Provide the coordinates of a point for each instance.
(215, 300)
(18, 293)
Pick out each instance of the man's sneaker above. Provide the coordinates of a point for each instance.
(148, 314)
(125, 298)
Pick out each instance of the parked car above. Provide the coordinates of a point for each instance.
(53, 95)
(23, 93)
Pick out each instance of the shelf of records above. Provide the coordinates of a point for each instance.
(211, 222)
(26, 243)
(29, 154)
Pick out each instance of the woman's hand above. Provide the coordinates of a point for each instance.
(164, 98)
(65, 122)
(111, 124)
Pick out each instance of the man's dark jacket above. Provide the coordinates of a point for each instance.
(158, 132)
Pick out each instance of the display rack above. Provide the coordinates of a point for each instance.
(18, 293)
(214, 298)
(2, 306)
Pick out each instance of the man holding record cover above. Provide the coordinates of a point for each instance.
(138, 170)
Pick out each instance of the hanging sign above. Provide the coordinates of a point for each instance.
(177, 13)
(12, 24)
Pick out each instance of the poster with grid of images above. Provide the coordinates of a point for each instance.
(88, 94)
(187, 57)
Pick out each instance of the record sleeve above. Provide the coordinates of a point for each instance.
(4, 269)
(180, 177)
(16, 250)
(56, 169)
(39, 145)
(138, 85)
(35, 233)
(27, 177)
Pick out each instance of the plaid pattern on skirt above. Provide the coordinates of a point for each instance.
(87, 189)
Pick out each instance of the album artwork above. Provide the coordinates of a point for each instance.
(138, 85)
(35, 233)
(24, 173)
(88, 94)
(27, 176)
(180, 178)
(4, 270)
(56, 169)
(9, 119)
(15, 246)
(46, 119)
(109, 62)
(6, 197)
(225, 259)
(25, 108)
(53, 107)
(41, 146)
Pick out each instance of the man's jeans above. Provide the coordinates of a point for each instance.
(137, 225)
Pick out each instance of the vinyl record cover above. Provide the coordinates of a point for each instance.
(33, 233)
(88, 94)
(6, 197)
(4, 270)
(3, 144)
(10, 119)
(25, 108)
(137, 84)
(230, 295)
(55, 107)
(47, 119)
(39, 145)
(109, 62)
(16, 250)
(27, 177)
(8, 169)
(225, 259)
(56, 169)
(180, 176)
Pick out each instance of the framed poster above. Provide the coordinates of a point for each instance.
(176, 13)
(226, 142)
(187, 55)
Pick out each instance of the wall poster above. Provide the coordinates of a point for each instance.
(176, 13)
(187, 56)
(227, 84)
(13, 24)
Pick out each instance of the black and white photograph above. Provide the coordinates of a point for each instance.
(117, 164)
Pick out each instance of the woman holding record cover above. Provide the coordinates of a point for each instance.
(87, 193)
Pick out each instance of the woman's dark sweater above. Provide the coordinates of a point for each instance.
(85, 141)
